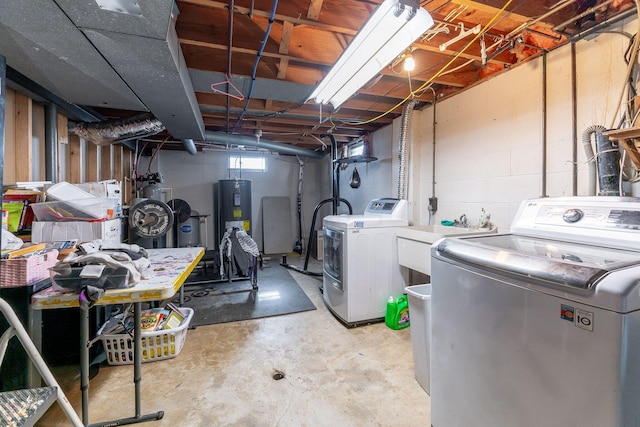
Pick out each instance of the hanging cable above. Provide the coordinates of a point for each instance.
(229, 51)
(255, 65)
(155, 153)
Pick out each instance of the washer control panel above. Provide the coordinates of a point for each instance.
(584, 219)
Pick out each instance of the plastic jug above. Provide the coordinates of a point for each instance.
(397, 315)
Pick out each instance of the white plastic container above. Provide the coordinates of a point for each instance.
(420, 311)
(64, 191)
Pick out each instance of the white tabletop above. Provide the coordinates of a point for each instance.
(169, 269)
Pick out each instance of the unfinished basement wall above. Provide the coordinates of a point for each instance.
(192, 178)
(78, 160)
(378, 178)
(489, 139)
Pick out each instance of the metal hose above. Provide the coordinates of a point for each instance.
(403, 156)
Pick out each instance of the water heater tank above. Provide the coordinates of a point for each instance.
(189, 231)
(234, 205)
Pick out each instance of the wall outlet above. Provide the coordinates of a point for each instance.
(433, 204)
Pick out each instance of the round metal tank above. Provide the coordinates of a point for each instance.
(234, 205)
(189, 231)
(152, 191)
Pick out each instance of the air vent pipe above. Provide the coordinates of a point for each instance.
(190, 146)
(252, 141)
(403, 155)
(110, 131)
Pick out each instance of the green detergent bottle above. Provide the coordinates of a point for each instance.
(397, 316)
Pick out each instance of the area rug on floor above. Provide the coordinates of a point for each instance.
(221, 302)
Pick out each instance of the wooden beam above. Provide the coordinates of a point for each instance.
(491, 10)
(23, 131)
(315, 7)
(106, 152)
(74, 160)
(9, 169)
(92, 162)
(236, 49)
(63, 129)
(38, 136)
(63, 144)
(127, 188)
(285, 40)
(265, 14)
(118, 172)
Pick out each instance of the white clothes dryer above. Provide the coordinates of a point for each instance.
(360, 263)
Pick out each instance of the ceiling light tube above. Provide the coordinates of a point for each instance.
(383, 37)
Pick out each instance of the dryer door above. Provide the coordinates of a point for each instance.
(332, 259)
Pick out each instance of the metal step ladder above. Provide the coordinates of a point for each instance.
(25, 407)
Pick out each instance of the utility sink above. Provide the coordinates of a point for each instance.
(414, 243)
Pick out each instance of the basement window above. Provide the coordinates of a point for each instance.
(248, 164)
(356, 149)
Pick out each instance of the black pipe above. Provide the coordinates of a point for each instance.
(608, 163)
(335, 174)
(335, 201)
(310, 241)
(51, 143)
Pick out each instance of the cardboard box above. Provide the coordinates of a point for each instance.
(84, 231)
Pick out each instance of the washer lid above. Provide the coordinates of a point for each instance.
(558, 262)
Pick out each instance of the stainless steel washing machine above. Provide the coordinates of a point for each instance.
(541, 326)
(360, 262)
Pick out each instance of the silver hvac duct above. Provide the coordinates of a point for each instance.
(190, 146)
(110, 131)
(252, 141)
(403, 156)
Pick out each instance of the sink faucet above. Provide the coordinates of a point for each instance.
(463, 221)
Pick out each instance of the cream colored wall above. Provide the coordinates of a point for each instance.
(489, 139)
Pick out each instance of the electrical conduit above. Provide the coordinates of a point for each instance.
(591, 159)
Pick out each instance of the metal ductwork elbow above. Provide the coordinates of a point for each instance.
(190, 146)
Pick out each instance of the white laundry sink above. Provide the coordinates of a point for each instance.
(414, 243)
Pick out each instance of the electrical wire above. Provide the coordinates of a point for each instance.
(155, 153)
(255, 64)
(442, 70)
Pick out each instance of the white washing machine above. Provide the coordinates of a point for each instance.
(360, 265)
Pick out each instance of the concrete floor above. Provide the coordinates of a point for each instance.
(334, 376)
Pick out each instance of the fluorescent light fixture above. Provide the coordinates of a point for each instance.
(382, 38)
